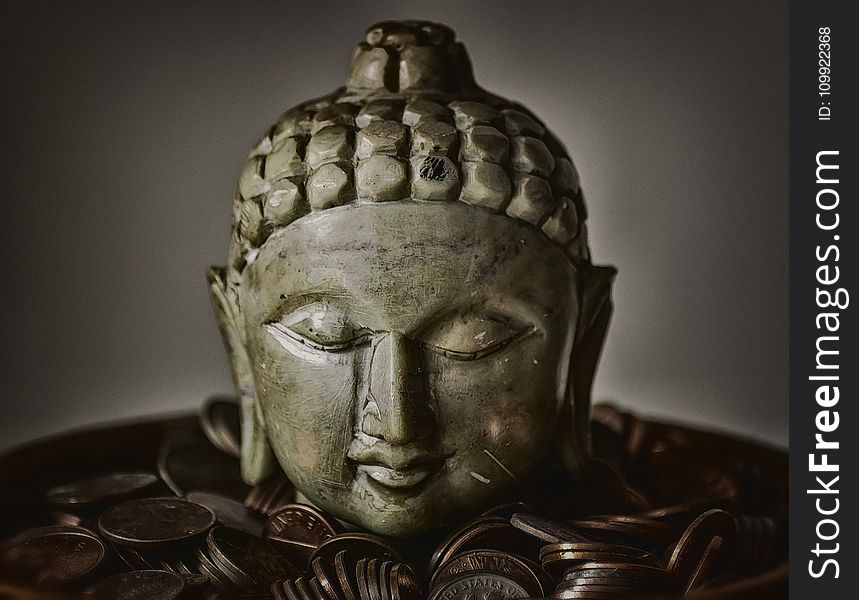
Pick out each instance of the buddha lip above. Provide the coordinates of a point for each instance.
(395, 478)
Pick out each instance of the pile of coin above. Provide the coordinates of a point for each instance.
(194, 530)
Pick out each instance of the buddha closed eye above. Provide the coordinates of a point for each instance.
(469, 336)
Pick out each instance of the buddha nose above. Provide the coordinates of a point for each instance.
(397, 410)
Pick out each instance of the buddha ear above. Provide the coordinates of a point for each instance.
(257, 459)
(595, 310)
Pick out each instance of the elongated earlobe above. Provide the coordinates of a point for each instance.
(257, 459)
(573, 439)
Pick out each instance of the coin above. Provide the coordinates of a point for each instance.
(345, 569)
(326, 581)
(300, 524)
(140, 585)
(696, 545)
(502, 563)
(229, 512)
(373, 566)
(271, 495)
(364, 545)
(219, 421)
(211, 570)
(403, 583)
(54, 554)
(640, 577)
(101, 490)
(546, 530)
(189, 463)
(152, 522)
(251, 563)
(479, 584)
(361, 579)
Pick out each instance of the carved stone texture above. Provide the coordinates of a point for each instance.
(563, 225)
(484, 143)
(381, 137)
(251, 181)
(341, 113)
(565, 178)
(332, 144)
(532, 199)
(368, 67)
(469, 114)
(284, 203)
(293, 123)
(329, 186)
(485, 184)
(419, 110)
(285, 160)
(435, 138)
(422, 67)
(434, 178)
(530, 155)
(518, 123)
(381, 178)
(379, 110)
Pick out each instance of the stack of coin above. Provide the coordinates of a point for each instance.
(344, 578)
(194, 530)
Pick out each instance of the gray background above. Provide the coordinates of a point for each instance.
(125, 127)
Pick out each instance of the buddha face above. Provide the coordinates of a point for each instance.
(410, 360)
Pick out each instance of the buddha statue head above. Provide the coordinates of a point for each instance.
(410, 310)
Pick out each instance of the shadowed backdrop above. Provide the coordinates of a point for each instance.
(125, 126)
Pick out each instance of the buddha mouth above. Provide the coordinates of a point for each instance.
(395, 467)
(393, 478)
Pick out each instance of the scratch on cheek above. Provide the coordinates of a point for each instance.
(500, 464)
(481, 478)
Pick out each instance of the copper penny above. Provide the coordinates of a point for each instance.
(152, 522)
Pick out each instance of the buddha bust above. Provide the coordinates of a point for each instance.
(410, 310)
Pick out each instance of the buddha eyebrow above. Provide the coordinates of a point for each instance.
(289, 303)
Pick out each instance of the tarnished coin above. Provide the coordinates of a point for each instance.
(403, 583)
(627, 533)
(299, 529)
(189, 463)
(230, 513)
(140, 585)
(385, 579)
(361, 579)
(695, 550)
(547, 530)
(137, 560)
(153, 522)
(373, 566)
(494, 533)
(270, 496)
(193, 580)
(54, 554)
(102, 490)
(219, 421)
(363, 545)
(251, 563)
(492, 561)
(315, 589)
(642, 578)
(207, 567)
(478, 584)
(300, 524)
(345, 569)
(327, 580)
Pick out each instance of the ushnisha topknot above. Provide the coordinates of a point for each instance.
(409, 124)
